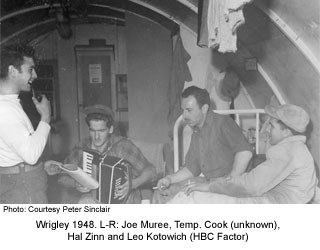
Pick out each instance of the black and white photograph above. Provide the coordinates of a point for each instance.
(178, 124)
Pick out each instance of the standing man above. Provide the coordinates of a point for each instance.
(100, 121)
(22, 177)
(218, 147)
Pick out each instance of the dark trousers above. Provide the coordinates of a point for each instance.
(24, 187)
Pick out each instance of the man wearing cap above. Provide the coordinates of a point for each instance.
(100, 121)
(287, 176)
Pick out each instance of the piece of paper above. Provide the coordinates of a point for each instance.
(80, 176)
(95, 73)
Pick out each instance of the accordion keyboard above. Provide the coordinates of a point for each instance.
(87, 162)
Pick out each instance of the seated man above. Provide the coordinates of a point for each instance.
(287, 176)
(218, 147)
(101, 139)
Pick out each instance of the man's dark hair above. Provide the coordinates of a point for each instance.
(14, 55)
(100, 117)
(201, 95)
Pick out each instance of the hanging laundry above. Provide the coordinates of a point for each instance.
(233, 5)
(203, 35)
(220, 20)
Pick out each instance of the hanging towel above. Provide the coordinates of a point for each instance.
(228, 28)
(219, 22)
(213, 24)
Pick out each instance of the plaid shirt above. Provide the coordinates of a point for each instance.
(118, 147)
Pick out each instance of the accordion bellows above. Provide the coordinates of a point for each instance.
(111, 172)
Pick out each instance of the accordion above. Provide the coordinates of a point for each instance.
(111, 172)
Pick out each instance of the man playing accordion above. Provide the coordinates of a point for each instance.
(103, 141)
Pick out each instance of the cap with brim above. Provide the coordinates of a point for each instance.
(98, 109)
(291, 115)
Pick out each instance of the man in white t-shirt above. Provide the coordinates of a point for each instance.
(22, 177)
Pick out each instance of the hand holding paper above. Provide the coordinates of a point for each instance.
(52, 167)
(85, 180)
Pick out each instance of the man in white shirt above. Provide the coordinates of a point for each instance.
(22, 177)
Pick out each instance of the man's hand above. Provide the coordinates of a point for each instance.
(164, 183)
(197, 186)
(81, 188)
(52, 167)
(123, 190)
(43, 107)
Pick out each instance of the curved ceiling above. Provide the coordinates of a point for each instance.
(24, 20)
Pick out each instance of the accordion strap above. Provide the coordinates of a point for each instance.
(109, 149)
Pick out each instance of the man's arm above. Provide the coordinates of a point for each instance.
(26, 144)
(232, 136)
(181, 175)
(240, 163)
(147, 174)
(44, 109)
(143, 170)
(259, 180)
